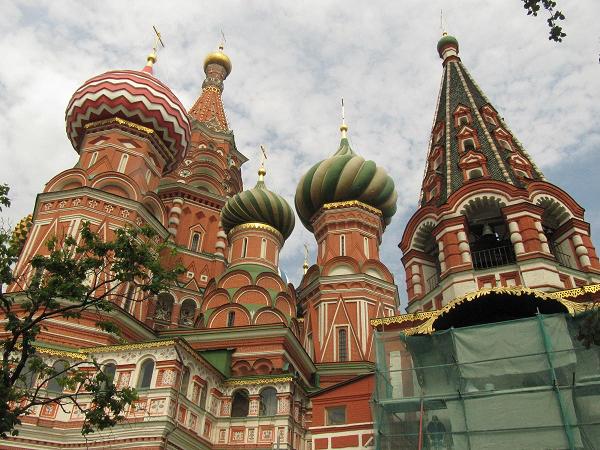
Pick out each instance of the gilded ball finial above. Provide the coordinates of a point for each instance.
(220, 58)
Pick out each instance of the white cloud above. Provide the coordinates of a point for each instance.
(292, 63)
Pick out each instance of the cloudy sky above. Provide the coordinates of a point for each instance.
(292, 62)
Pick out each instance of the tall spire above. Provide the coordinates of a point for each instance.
(208, 109)
(469, 139)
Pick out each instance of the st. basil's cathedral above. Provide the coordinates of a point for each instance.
(236, 357)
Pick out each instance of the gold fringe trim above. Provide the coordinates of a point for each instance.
(120, 121)
(431, 316)
(351, 203)
(258, 381)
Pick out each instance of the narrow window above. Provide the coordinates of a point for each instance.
(263, 248)
(244, 247)
(342, 245)
(195, 242)
(366, 245)
(342, 344)
(185, 381)
(146, 371)
(230, 318)
(93, 159)
(123, 163)
(129, 297)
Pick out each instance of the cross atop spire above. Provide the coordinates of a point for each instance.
(153, 57)
(262, 171)
(343, 127)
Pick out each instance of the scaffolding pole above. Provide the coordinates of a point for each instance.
(561, 405)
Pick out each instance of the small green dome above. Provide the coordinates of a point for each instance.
(258, 205)
(342, 177)
(444, 41)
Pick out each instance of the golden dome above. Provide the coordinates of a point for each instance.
(220, 58)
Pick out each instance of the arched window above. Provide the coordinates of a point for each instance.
(164, 307)
(145, 377)
(195, 241)
(188, 310)
(109, 370)
(230, 318)
(28, 375)
(342, 344)
(59, 367)
(342, 245)
(366, 246)
(489, 237)
(268, 402)
(185, 382)
(123, 163)
(240, 403)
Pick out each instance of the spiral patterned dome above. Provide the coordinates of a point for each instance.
(258, 205)
(135, 96)
(342, 177)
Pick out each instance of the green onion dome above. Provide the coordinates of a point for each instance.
(446, 40)
(258, 205)
(345, 176)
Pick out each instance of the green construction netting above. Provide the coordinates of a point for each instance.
(522, 384)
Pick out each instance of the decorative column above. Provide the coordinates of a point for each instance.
(174, 214)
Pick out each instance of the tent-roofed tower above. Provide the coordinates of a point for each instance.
(196, 190)
(487, 216)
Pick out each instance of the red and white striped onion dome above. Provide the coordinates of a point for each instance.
(137, 97)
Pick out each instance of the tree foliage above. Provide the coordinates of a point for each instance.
(589, 330)
(554, 16)
(77, 276)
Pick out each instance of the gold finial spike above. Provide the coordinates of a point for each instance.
(153, 57)
(442, 25)
(262, 171)
(344, 127)
(305, 265)
(223, 41)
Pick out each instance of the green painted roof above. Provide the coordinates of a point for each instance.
(258, 205)
(345, 176)
(219, 359)
(446, 40)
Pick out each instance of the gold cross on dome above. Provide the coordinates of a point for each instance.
(157, 40)
(263, 155)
